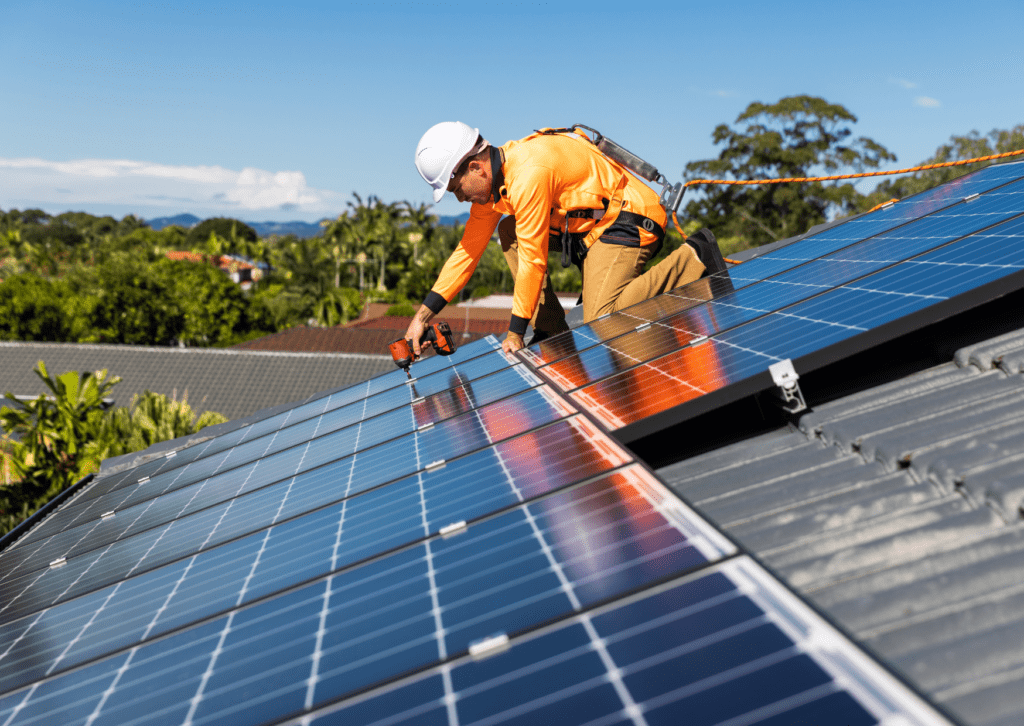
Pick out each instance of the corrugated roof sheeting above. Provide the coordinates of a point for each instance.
(232, 382)
(898, 511)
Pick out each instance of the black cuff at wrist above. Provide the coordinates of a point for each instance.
(434, 302)
(518, 325)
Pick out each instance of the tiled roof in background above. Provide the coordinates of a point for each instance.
(367, 336)
(898, 512)
(235, 383)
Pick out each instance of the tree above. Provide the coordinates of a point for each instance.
(130, 304)
(150, 419)
(55, 439)
(970, 146)
(797, 136)
(225, 228)
(33, 308)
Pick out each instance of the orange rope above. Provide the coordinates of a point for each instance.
(924, 167)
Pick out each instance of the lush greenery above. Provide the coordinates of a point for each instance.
(74, 277)
(52, 441)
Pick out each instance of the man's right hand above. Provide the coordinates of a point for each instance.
(418, 327)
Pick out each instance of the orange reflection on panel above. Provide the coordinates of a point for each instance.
(522, 413)
(654, 387)
(443, 405)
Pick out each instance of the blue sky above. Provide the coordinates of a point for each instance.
(279, 111)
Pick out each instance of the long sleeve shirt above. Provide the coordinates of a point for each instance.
(544, 176)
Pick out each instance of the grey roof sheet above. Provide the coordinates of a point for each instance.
(236, 383)
(898, 512)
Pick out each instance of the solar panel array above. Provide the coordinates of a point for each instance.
(470, 547)
(855, 283)
(379, 541)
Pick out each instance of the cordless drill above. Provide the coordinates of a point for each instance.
(439, 334)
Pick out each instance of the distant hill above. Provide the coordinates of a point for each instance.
(449, 221)
(302, 230)
(188, 221)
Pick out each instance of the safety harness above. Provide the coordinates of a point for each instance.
(624, 228)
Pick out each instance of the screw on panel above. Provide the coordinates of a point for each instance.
(453, 529)
(488, 646)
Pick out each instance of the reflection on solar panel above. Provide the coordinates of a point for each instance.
(799, 302)
(468, 547)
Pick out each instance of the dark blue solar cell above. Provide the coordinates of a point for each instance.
(742, 694)
(691, 663)
(573, 691)
(839, 708)
(687, 597)
(419, 703)
(701, 623)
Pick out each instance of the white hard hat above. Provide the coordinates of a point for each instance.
(440, 152)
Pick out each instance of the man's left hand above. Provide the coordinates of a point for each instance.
(512, 342)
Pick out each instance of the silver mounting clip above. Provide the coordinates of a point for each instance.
(787, 392)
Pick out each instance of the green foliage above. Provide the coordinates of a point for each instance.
(403, 309)
(232, 230)
(33, 308)
(969, 146)
(150, 419)
(798, 136)
(54, 440)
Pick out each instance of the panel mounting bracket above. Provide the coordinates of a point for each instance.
(787, 391)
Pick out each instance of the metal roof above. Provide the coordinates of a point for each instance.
(233, 382)
(898, 512)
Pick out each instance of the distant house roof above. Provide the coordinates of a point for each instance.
(233, 382)
(370, 336)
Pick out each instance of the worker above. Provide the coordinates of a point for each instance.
(558, 189)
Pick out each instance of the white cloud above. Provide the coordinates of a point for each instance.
(926, 102)
(143, 184)
(903, 83)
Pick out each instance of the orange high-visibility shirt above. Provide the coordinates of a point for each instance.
(546, 175)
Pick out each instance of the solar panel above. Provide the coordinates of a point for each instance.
(859, 295)
(356, 626)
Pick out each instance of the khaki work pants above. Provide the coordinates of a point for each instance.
(614, 277)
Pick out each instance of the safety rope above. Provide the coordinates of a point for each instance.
(860, 175)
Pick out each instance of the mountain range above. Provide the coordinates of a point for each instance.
(302, 230)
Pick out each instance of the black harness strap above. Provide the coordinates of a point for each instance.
(624, 231)
(497, 174)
